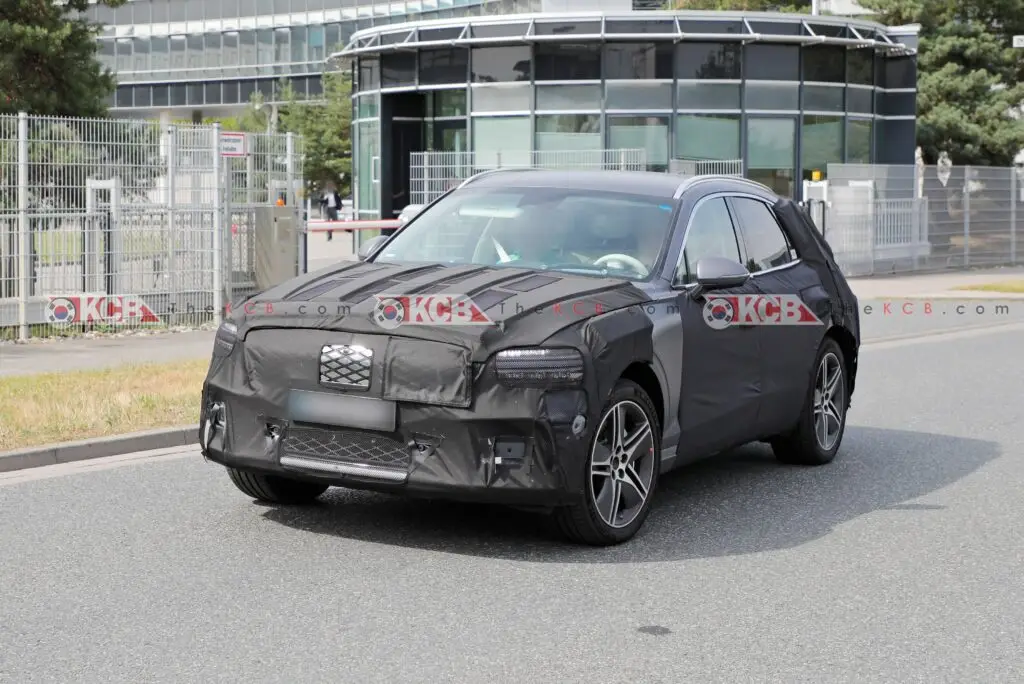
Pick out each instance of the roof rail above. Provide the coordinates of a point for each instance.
(704, 178)
(491, 172)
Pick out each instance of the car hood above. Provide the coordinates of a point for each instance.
(521, 306)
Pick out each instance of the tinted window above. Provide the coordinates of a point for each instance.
(767, 246)
(708, 60)
(568, 62)
(772, 62)
(825, 63)
(638, 60)
(499, 64)
(711, 234)
(438, 67)
(398, 69)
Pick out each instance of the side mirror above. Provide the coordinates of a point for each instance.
(718, 273)
(368, 247)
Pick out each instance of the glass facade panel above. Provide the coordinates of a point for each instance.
(771, 152)
(367, 170)
(638, 96)
(212, 48)
(501, 141)
(567, 62)
(698, 95)
(501, 98)
(648, 133)
(860, 67)
(369, 73)
(823, 98)
(858, 141)
(367, 106)
(900, 72)
(897, 104)
(771, 62)
(722, 61)
(160, 61)
(708, 136)
(568, 98)
(500, 64)
(860, 100)
(449, 102)
(638, 60)
(447, 65)
(569, 132)
(772, 96)
(564, 28)
(398, 69)
(824, 63)
(821, 143)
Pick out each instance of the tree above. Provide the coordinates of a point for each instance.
(326, 129)
(969, 86)
(48, 59)
(742, 5)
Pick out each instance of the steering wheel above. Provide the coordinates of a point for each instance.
(632, 262)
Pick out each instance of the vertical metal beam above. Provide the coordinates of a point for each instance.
(218, 229)
(24, 238)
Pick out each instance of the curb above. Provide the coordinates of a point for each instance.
(100, 447)
(965, 295)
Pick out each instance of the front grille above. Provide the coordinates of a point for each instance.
(343, 365)
(346, 445)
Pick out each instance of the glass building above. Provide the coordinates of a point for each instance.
(786, 94)
(191, 58)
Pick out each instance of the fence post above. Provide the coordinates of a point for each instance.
(291, 198)
(172, 176)
(24, 237)
(1013, 215)
(967, 216)
(218, 229)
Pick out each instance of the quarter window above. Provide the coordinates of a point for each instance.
(711, 234)
(766, 243)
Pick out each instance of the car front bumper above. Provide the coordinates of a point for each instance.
(523, 447)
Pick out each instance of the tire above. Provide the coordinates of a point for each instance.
(274, 489)
(804, 445)
(585, 522)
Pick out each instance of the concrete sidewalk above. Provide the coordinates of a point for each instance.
(56, 355)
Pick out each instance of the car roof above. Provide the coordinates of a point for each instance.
(653, 184)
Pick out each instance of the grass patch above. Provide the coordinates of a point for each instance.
(61, 407)
(1010, 286)
(54, 247)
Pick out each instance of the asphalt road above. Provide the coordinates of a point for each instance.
(902, 561)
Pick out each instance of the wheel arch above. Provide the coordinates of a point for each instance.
(643, 374)
(848, 344)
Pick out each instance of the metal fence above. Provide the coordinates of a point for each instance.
(130, 223)
(431, 174)
(891, 219)
(704, 167)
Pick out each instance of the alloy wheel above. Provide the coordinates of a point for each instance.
(622, 464)
(829, 401)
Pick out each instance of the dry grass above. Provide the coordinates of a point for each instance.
(1011, 286)
(59, 407)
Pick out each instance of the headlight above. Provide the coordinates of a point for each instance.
(539, 367)
(227, 335)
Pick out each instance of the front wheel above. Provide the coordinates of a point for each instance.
(621, 471)
(275, 489)
(819, 433)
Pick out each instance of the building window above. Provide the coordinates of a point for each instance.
(500, 64)
(649, 133)
(897, 104)
(449, 103)
(772, 96)
(900, 72)
(858, 141)
(369, 73)
(447, 65)
(824, 63)
(638, 61)
(708, 136)
(501, 141)
(772, 62)
(501, 98)
(702, 95)
(821, 144)
(568, 98)
(771, 151)
(569, 132)
(568, 62)
(860, 66)
(398, 69)
(637, 95)
(720, 61)
(823, 98)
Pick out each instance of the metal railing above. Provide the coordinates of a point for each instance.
(891, 219)
(706, 167)
(431, 174)
(129, 223)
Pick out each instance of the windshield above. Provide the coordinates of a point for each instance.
(571, 230)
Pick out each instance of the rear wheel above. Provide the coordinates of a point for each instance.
(819, 433)
(275, 489)
(621, 473)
